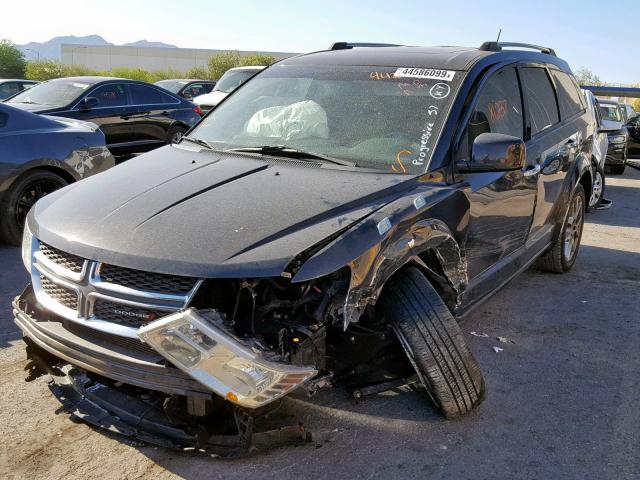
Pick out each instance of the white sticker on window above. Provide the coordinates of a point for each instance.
(430, 73)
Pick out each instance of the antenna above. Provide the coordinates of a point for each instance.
(499, 33)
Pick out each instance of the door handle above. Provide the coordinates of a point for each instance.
(532, 170)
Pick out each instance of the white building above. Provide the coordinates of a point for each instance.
(106, 57)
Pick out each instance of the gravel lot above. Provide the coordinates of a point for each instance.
(563, 400)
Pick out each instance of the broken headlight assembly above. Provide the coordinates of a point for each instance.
(220, 361)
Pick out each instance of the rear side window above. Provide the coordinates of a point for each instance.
(568, 94)
(112, 95)
(142, 95)
(543, 109)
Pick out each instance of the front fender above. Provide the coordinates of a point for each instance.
(431, 218)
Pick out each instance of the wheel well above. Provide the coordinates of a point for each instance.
(585, 181)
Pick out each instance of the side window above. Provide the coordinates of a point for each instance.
(568, 94)
(194, 90)
(143, 95)
(543, 108)
(498, 109)
(112, 95)
(208, 87)
(9, 89)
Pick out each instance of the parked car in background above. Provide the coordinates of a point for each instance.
(633, 128)
(627, 111)
(232, 79)
(328, 223)
(617, 152)
(38, 155)
(134, 116)
(187, 88)
(10, 87)
(598, 152)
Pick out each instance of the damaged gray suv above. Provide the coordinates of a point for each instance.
(329, 222)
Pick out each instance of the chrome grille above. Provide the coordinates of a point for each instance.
(155, 282)
(67, 261)
(125, 314)
(62, 295)
(114, 300)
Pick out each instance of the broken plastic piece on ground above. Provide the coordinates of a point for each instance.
(121, 412)
(477, 334)
(505, 340)
(498, 349)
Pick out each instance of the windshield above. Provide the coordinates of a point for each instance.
(56, 93)
(173, 86)
(233, 79)
(375, 117)
(610, 112)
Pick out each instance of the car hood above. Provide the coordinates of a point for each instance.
(208, 214)
(210, 99)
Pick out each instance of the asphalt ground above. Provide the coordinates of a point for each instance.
(563, 396)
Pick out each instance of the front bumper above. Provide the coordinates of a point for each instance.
(616, 155)
(124, 360)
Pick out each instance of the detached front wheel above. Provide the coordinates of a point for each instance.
(433, 341)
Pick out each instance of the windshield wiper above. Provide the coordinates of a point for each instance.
(285, 151)
(29, 102)
(199, 141)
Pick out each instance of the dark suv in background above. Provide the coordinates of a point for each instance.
(611, 111)
(134, 116)
(328, 222)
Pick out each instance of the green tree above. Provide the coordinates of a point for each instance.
(44, 70)
(201, 73)
(257, 59)
(584, 76)
(636, 105)
(220, 63)
(12, 62)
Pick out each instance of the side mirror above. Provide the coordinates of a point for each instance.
(88, 103)
(495, 152)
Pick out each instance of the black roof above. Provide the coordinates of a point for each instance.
(446, 58)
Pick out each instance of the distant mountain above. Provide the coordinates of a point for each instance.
(147, 44)
(51, 48)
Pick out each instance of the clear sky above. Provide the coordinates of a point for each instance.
(589, 33)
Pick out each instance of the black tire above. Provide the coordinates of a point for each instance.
(175, 134)
(19, 199)
(618, 169)
(433, 341)
(561, 257)
(597, 187)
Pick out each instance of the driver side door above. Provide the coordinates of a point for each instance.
(501, 203)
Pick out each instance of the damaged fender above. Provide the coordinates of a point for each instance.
(393, 237)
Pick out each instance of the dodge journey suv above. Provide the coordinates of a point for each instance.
(328, 222)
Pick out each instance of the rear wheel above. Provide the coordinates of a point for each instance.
(433, 341)
(564, 250)
(19, 199)
(175, 134)
(597, 189)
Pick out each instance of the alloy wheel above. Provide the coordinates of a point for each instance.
(573, 229)
(30, 194)
(596, 191)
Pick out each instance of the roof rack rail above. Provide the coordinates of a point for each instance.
(497, 47)
(348, 45)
